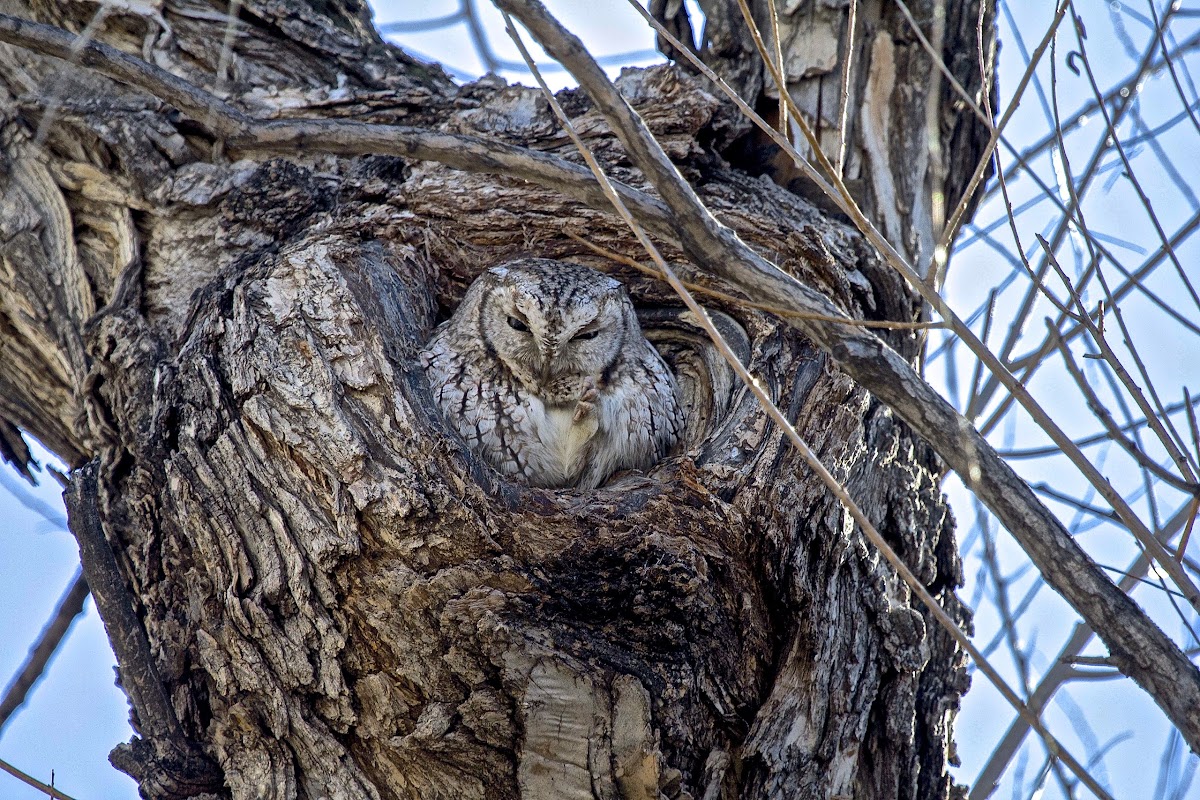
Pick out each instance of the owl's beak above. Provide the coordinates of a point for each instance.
(549, 351)
(547, 370)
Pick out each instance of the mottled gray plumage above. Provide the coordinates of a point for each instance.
(544, 371)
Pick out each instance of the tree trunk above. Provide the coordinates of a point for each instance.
(333, 598)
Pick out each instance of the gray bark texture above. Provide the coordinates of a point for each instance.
(313, 589)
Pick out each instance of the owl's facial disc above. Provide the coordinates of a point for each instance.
(544, 342)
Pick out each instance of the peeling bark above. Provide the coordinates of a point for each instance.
(338, 600)
(910, 141)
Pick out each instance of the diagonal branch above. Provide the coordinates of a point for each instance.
(69, 607)
(245, 134)
(29, 780)
(169, 752)
(809, 457)
(1138, 646)
(841, 197)
(1058, 674)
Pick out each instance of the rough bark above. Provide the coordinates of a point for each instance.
(910, 141)
(336, 598)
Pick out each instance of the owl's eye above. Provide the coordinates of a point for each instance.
(586, 335)
(517, 325)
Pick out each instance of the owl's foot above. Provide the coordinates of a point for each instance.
(587, 400)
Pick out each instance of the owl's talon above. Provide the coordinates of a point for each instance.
(582, 409)
(586, 402)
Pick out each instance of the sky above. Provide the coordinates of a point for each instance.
(75, 715)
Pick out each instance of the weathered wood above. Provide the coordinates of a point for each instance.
(907, 142)
(338, 599)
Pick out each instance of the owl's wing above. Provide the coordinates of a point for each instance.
(479, 402)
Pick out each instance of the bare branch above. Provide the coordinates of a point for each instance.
(844, 87)
(1137, 644)
(1104, 436)
(169, 750)
(740, 301)
(14, 450)
(69, 607)
(1153, 418)
(245, 134)
(34, 782)
(806, 453)
(1058, 674)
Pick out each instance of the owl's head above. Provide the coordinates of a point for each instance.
(550, 320)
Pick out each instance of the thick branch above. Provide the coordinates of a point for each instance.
(1138, 646)
(245, 134)
(70, 607)
(165, 749)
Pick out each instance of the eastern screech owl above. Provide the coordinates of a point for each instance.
(544, 371)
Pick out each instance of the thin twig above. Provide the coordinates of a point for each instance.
(1187, 532)
(956, 218)
(69, 608)
(1157, 417)
(743, 302)
(34, 782)
(1105, 418)
(891, 379)
(1087, 441)
(773, 12)
(809, 457)
(988, 317)
(1058, 674)
(985, 118)
(844, 87)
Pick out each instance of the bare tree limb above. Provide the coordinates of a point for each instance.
(1058, 674)
(28, 780)
(69, 607)
(245, 134)
(14, 450)
(164, 747)
(1137, 645)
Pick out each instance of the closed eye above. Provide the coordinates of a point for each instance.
(517, 325)
(586, 335)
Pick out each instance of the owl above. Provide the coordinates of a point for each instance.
(544, 372)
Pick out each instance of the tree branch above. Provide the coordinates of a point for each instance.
(69, 607)
(29, 780)
(184, 771)
(1138, 646)
(243, 133)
